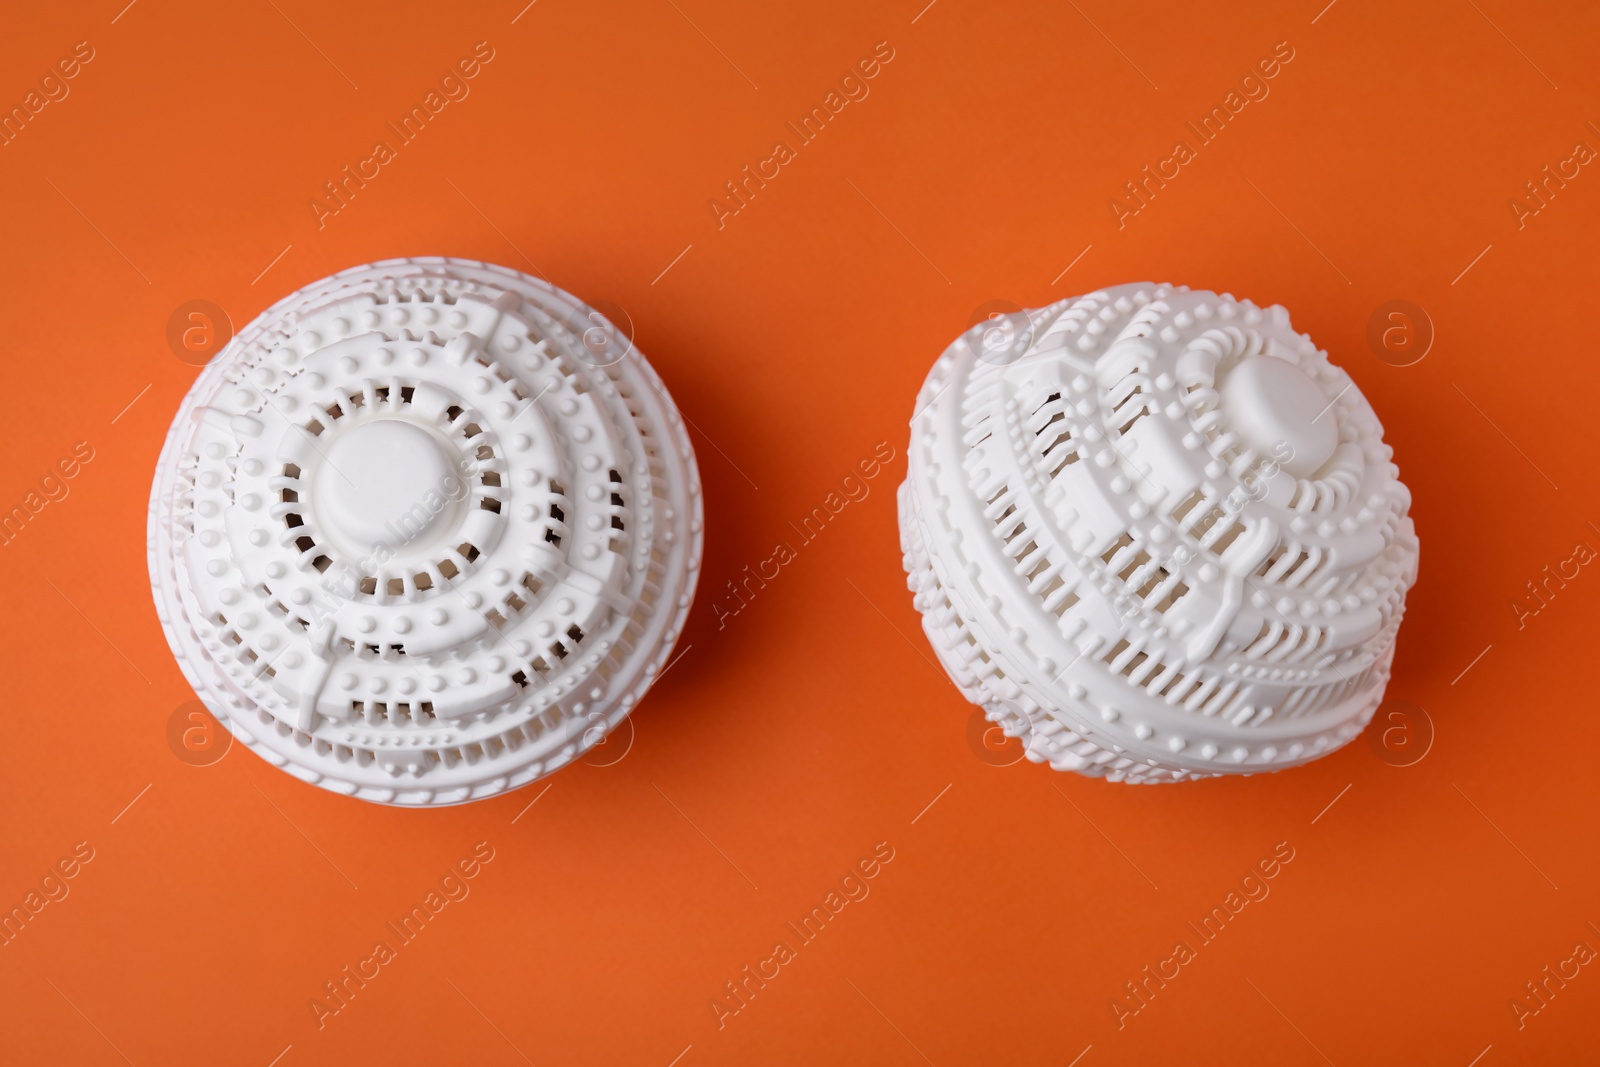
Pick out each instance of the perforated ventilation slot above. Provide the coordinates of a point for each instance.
(1291, 565)
(618, 517)
(1130, 401)
(558, 515)
(1052, 436)
(1280, 641)
(399, 714)
(1213, 526)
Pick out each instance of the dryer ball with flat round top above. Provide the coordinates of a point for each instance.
(425, 531)
(1155, 534)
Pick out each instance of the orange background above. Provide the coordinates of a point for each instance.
(789, 741)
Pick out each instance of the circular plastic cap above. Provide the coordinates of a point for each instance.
(1277, 409)
(1160, 539)
(374, 484)
(411, 541)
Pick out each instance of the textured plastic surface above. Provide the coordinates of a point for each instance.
(425, 531)
(1156, 535)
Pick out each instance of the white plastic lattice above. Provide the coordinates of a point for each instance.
(425, 531)
(1156, 535)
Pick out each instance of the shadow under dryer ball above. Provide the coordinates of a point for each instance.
(1156, 535)
(425, 531)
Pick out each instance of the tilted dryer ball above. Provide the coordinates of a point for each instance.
(1156, 535)
(425, 531)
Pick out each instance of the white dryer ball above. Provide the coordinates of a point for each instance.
(1155, 534)
(425, 531)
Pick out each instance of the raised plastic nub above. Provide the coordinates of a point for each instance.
(387, 482)
(1280, 412)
